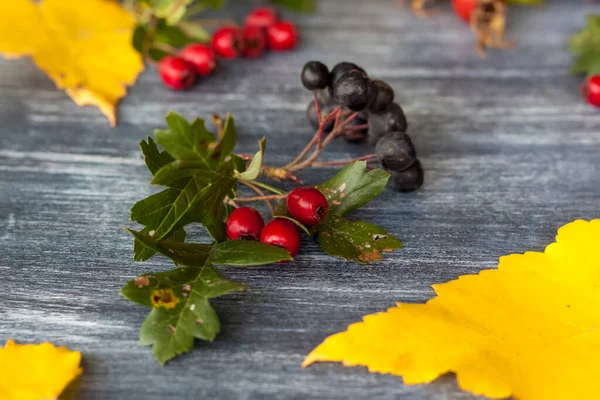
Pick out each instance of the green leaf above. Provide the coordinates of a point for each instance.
(253, 169)
(185, 141)
(246, 253)
(181, 169)
(143, 253)
(181, 310)
(187, 254)
(586, 45)
(353, 187)
(227, 143)
(297, 5)
(195, 31)
(139, 37)
(360, 241)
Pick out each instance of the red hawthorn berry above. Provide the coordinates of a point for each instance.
(307, 205)
(176, 73)
(255, 41)
(262, 17)
(282, 36)
(283, 233)
(202, 57)
(244, 223)
(591, 90)
(464, 8)
(228, 42)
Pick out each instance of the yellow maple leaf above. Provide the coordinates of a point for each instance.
(36, 371)
(529, 329)
(84, 46)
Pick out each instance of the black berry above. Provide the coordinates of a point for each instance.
(326, 109)
(354, 90)
(391, 120)
(315, 75)
(341, 68)
(408, 180)
(384, 97)
(395, 151)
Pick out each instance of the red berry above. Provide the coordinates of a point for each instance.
(283, 233)
(176, 73)
(255, 41)
(282, 36)
(244, 223)
(228, 42)
(591, 90)
(307, 205)
(202, 57)
(464, 8)
(262, 17)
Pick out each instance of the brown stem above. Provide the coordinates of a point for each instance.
(259, 198)
(261, 193)
(367, 158)
(316, 138)
(332, 135)
(318, 108)
(165, 47)
(229, 201)
(216, 22)
(357, 127)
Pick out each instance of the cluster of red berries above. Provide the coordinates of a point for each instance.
(306, 205)
(262, 30)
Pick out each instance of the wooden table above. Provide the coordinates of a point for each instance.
(511, 152)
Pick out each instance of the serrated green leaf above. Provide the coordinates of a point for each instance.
(360, 241)
(227, 142)
(247, 253)
(153, 157)
(353, 187)
(179, 169)
(586, 45)
(297, 5)
(253, 169)
(181, 310)
(181, 253)
(143, 253)
(187, 142)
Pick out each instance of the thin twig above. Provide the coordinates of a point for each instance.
(260, 198)
(367, 158)
(261, 193)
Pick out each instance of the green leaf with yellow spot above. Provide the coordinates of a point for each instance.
(360, 241)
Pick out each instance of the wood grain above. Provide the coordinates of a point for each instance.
(510, 149)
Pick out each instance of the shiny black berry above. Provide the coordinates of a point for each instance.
(395, 151)
(315, 75)
(326, 109)
(384, 97)
(391, 120)
(408, 180)
(354, 90)
(341, 68)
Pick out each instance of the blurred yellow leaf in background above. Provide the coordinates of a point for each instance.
(529, 329)
(84, 46)
(36, 371)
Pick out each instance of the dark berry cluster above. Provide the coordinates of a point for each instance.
(306, 205)
(263, 30)
(348, 85)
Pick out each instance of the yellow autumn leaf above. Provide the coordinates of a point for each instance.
(529, 329)
(36, 371)
(84, 46)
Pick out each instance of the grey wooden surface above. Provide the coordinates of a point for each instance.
(510, 149)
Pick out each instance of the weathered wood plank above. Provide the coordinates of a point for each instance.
(510, 150)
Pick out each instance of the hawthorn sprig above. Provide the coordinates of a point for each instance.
(200, 175)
